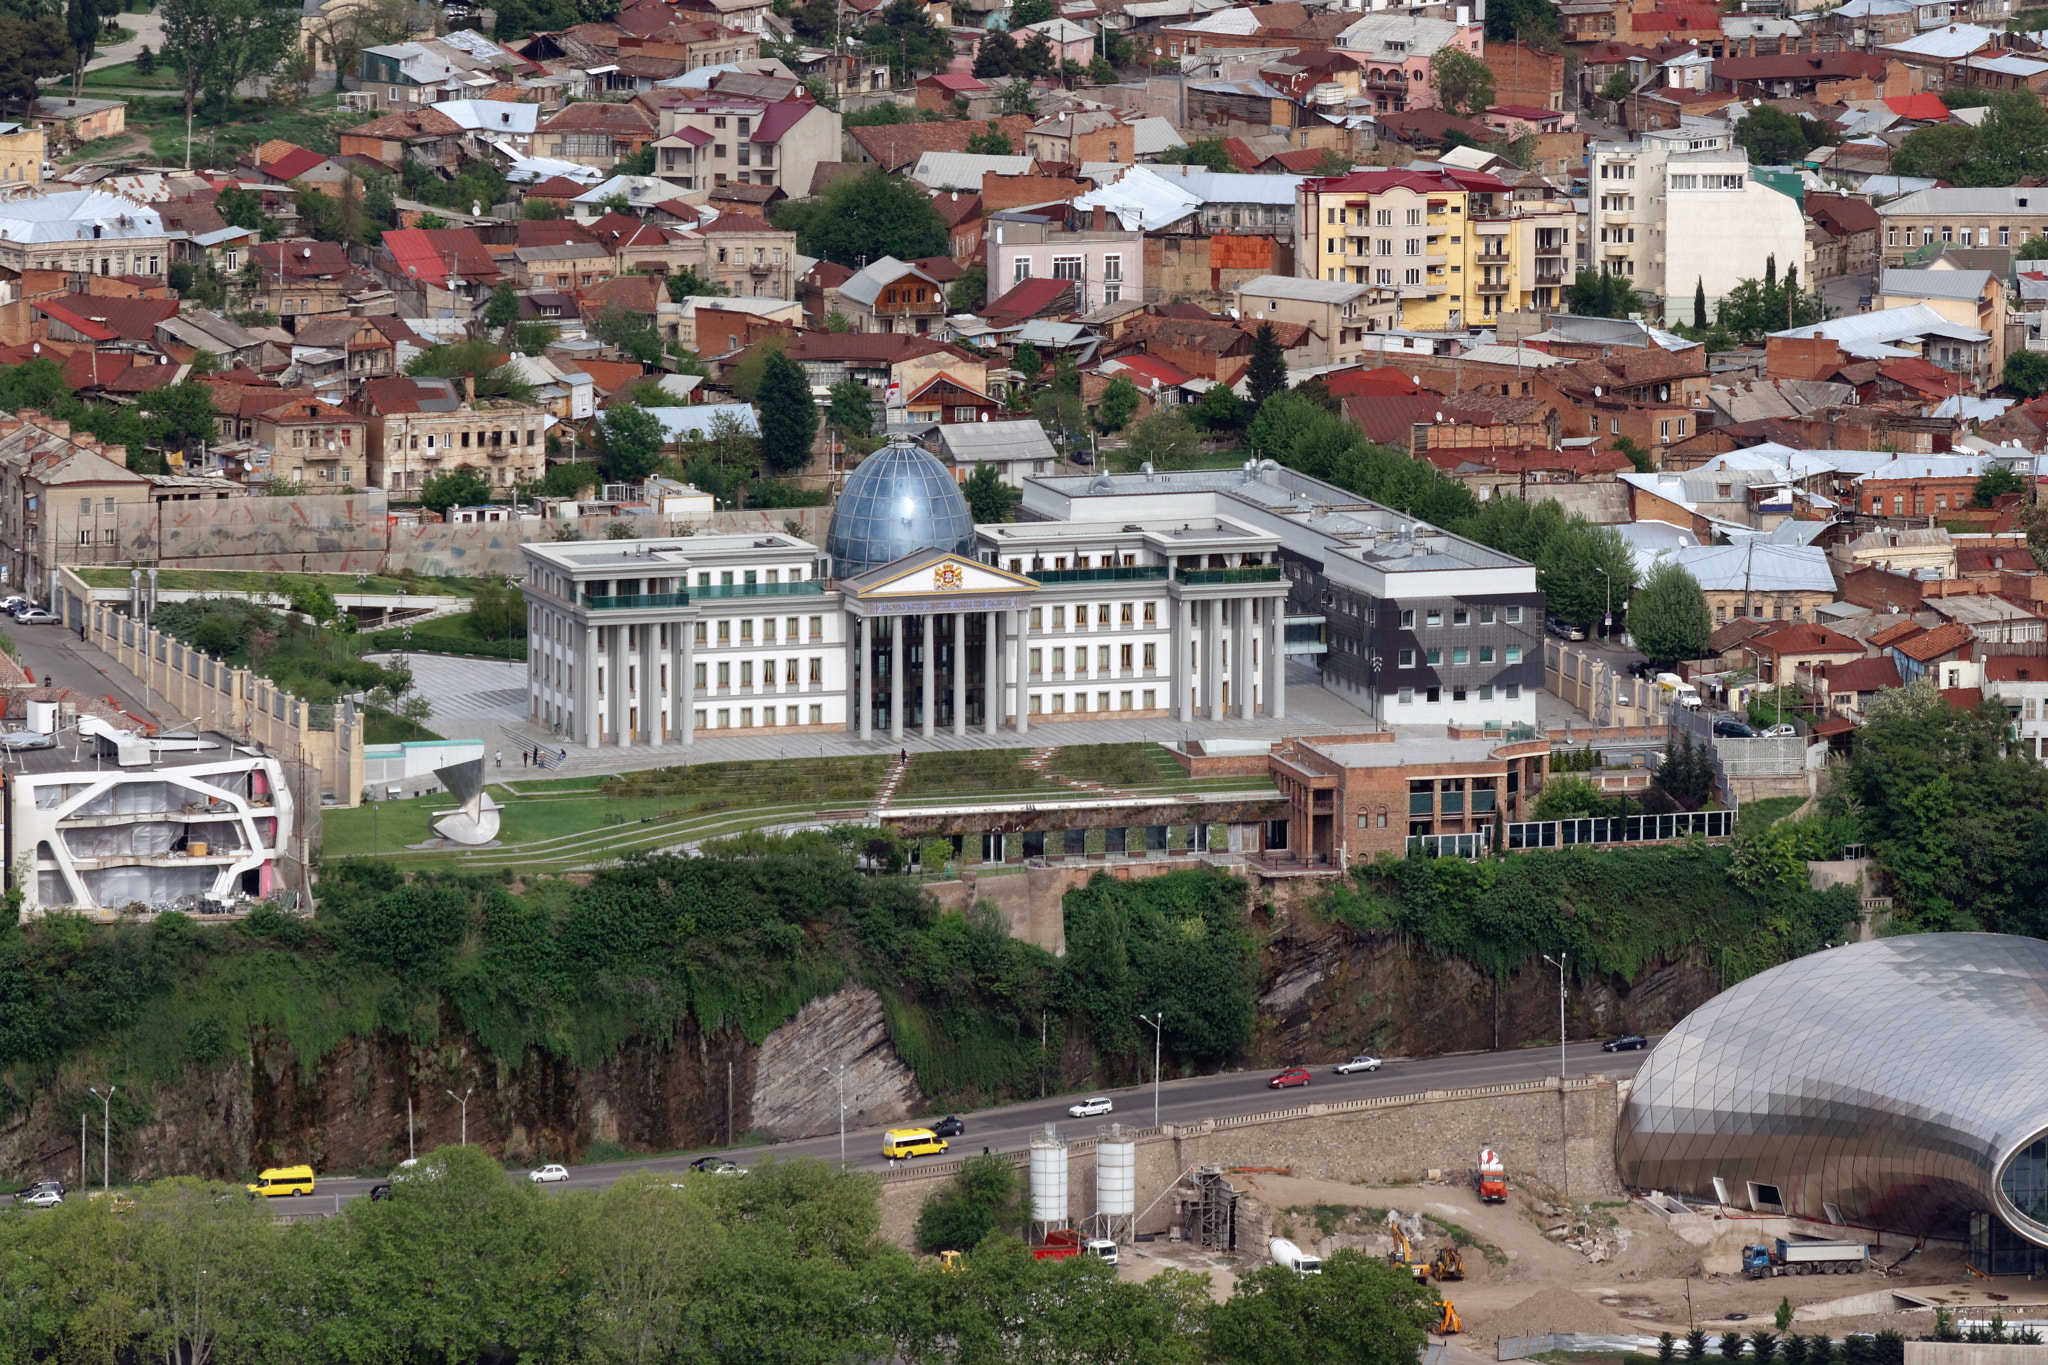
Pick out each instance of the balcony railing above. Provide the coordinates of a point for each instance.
(1122, 573)
(1254, 573)
(810, 587)
(639, 600)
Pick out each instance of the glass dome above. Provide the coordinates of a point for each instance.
(898, 502)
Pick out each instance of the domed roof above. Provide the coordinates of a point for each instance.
(1899, 1082)
(898, 502)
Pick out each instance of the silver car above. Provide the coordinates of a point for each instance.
(1364, 1061)
(1089, 1108)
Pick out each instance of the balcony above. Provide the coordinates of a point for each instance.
(814, 587)
(1491, 258)
(637, 601)
(1491, 287)
(1132, 573)
(1251, 573)
(1436, 260)
(1357, 259)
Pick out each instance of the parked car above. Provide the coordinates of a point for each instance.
(1627, 1042)
(1294, 1075)
(1565, 630)
(549, 1174)
(36, 616)
(1730, 728)
(949, 1127)
(717, 1165)
(1781, 728)
(42, 1194)
(380, 1191)
(1364, 1061)
(1089, 1108)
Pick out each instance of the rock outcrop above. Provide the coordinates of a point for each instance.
(796, 1073)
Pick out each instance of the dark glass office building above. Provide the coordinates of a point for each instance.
(1900, 1085)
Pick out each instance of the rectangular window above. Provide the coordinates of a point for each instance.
(817, 670)
(1036, 655)
(1151, 656)
(1514, 616)
(746, 673)
(1066, 268)
(1513, 691)
(1460, 656)
(1406, 697)
(747, 717)
(1434, 619)
(817, 715)
(1513, 654)
(700, 674)
(1407, 620)
(1059, 662)
(724, 674)
(1407, 658)
(817, 627)
(1433, 657)
(1151, 700)
(1486, 654)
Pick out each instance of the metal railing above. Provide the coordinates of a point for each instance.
(1620, 829)
(1473, 845)
(640, 600)
(810, 587)
(1127, 573)
(1251, 573)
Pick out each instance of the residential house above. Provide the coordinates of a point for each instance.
(568, 265)
(427, 136)
(421, 427)
(69, 122)
(946, 401)
(883, 359)
(889, 296)
(2004, 216)
(1016, 449)
(595, 134)
(82, 232)
(1403, 230)
(437, 272)
(1396, 51)
(1780, 655)
(711, 140)
(1920, 486)
(1850, 687)
(1335, 313)
(1851, 226)
(322, 446)
(1760, 580)
(1943, 654)
(369, 351)
(64, 500)
(22, 149)
(305, 277)
(749, 257)
(748, 16)
(1969, 298)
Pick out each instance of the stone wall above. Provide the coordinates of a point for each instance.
(1396, 1140)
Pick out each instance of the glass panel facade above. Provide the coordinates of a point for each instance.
(899, 501)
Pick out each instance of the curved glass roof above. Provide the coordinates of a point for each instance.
(899, 501)
(1904, 1082)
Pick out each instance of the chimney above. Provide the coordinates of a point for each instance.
(469, 390)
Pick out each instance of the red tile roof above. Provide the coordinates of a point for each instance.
(1891, 635)
(435, 253)
(294, 163)
(1935, 643)
(405, 125)
(1805, 638)
(1383, 381)
(2015, 668)
(1029, 299)
(556, 187)
(735, 222)
(1153, 368)
(1925, 107)
(1862, 675)
(130, 319)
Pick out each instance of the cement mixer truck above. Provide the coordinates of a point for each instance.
(1492, 1177)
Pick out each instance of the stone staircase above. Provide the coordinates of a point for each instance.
(886, 793)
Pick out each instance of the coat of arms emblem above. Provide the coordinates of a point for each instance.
(948, 578)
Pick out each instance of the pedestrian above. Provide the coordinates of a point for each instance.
(501, 758)
(904, 756)
(565, 755)
(524, 758)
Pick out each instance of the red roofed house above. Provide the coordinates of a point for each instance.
(948, 402)
(1848, 687)
(425, 135)
(1942, 654)
(95, 318)
(1827, 77)
(321, 445)
(1033, 298)
(303, 277)
(938, 92)
(595, 134)
(1925, 108)
(437, 272)
(708, 140)
(749, 257)
(1779, 654)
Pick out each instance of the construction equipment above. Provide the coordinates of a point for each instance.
(1448, 1265)
(950, 1261)
(1492, 1177)
(1804, 1258)
(1449, 1322)
(1404, 1254)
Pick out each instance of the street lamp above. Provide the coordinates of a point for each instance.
(1157, 1037)
(1606, 621)
(842, 1111)
(106, 1126)
(463, 1100)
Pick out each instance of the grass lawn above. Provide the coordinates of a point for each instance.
(249, 580)
(381, 727)
(976, 773)
(850, 780)
(1771, 809)
(123, 75)
(1118, 765)
(443, 635)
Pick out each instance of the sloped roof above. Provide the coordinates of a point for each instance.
(1935, 643)
(1805, 638)
(1863, 675)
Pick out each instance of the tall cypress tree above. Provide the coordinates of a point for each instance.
(1699, 302)
(1267, 373)
(789, 417)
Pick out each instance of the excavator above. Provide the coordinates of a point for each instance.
(1403, 1254)
(1448, 1265)
(1449, 1322)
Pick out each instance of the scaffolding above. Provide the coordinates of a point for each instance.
(1210, 1211)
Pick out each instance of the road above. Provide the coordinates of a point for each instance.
(1011, 1127)
(56, 657)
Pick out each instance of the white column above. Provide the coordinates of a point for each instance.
(1212, 659)
(586, 689)
(854, 713)
(929, 624)
(1241, 671)
(992, 675)
(1023, 672)
(1178, 670)
(867, 681)
(650, 682)
(896, 679)
(959, 675)
(615, 690)
(683, 649)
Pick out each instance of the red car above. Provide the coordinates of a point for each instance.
(1294, 1076)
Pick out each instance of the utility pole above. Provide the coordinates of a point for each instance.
(1157, 1037)
(842, 1111)
(106, 1128)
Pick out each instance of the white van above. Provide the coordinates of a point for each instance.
(1293, 1257)
(1679, 690)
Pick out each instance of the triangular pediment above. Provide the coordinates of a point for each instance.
(936, 573)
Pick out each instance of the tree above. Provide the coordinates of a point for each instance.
(853, 408)
(2026, 373)
(789, 416)
(1772, 137)
(1266, 374)
(1637, 456)
(1359, 1311)
(632, 438)
(1686, 773)
(986, 1196)
(991, 141)
(1332, 162)
(1120, 399)
(31, 50)
(1940, 152)
(241, 207)
(1026, 362)
(863, 218)
(502, 309)
(1532, 21)
(145, 62)
(1699, 301)
(1165, 440)
(908, 40)
(989, 499)
(1994, 483)
(1209, 152)
(1583, 568)
(458, 487)
(1565, 797)
(633, 333)
(1462, 82)
(219, 44)
(969, 291)
(1220, 409)
(532, 338)
(1595, 293)
(1668, 617)
(1617, 87)
(474, 359)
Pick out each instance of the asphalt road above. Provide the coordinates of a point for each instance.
(1011, 1127)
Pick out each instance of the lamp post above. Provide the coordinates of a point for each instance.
(1158, 1035)
(1607, 620)
(1563, 1126)
(106, 1127)
(463, 1100)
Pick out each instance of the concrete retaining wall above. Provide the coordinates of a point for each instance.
(1394, 1140)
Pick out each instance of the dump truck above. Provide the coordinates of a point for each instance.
(1293, 1257)
(1804, 1258)
(1060, 1243)
(1492, 1178)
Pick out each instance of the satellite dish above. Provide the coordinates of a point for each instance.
(306, 253)
(1439, 417)
(1596, 390)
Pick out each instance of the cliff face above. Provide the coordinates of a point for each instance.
(1323, 991)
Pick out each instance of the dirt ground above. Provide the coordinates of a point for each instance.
(1623, 1273)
